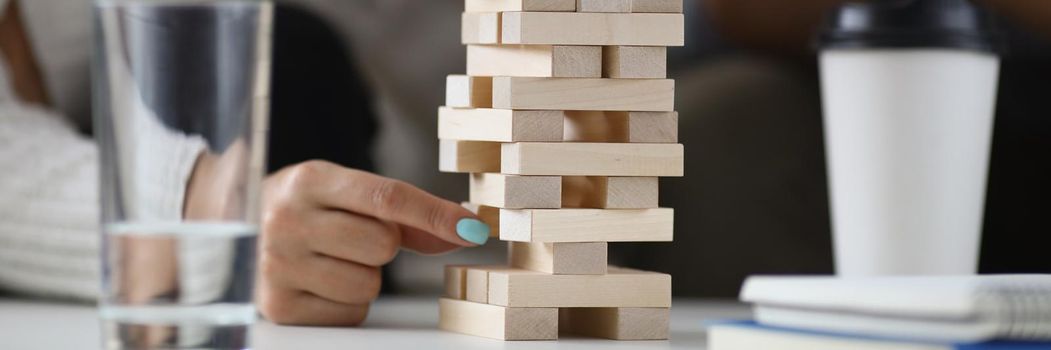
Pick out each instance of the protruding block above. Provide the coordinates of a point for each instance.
(588, 258)
(468, 92)
(584, 94)
(587, 225)
(633, 127)
(489, 215)
(535, 61)
(519, 5)
(500, 125)
(593, 29)
(618, 288)
(456, 282)
(480, 28)
(609, 192)
(587, 159)
(609, 6)
(497, 322)
(621, 62)
(468, 156)
(656, 6)
(626, 323)
(512, 191)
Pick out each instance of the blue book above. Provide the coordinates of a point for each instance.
(748, 335)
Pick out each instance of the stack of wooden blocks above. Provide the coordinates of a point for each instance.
(565, 121)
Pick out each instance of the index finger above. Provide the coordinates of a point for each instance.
(396, 201)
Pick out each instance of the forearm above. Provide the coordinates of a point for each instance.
(780, 27)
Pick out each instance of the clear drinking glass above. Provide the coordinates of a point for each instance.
(181, 91)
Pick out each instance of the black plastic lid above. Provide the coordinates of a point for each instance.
(954, 24)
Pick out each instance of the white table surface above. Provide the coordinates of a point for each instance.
(394, 323)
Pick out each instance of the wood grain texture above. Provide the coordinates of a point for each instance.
(634, 62)
(656, 6)
(519, 5)
(583, 94)
(587, 258)
(534, 61)
(618, 288)
(512, 191)
(499, 125)
(480, 28)
(587, 225)
(497, 322)
(592, 29)
(607, 6)
(630, 323)
(468, 92)
(602, 192)
(455, 282)
(456, 156)
(489, 215)
(621, 127)
(592, 159)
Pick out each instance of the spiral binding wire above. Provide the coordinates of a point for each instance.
(1022, 306)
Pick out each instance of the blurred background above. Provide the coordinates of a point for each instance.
(358, 82)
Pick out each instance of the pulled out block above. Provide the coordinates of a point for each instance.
(480, 28)
(500, 125)
(621, 127)
(535, 61)
(468, 156)
(456, 282)
(656, 6)
(591, 159)
(513, 191)
(489, 215)
(583, 94)
(626, 323)
(587, 225)
(588, 258)
(468, 92)
(613, 6)
(618, 288)
(634, 62)
(520, 5)
(497, 322)
(592, 29)
(603, 192)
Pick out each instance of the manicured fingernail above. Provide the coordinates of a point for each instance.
(472, 230)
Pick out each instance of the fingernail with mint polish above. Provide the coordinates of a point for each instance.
(472, 230)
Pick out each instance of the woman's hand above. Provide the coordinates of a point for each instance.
(327, 230)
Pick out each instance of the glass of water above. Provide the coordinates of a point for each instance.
(181, 91)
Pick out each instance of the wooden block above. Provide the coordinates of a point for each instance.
(489, 215)
(583, 94)
(480, 28)
(592, 159)
(587, 258)
(520, 5)
(499, 125)
(587, 225)
(656, 6)
(621, 62)
(535, 61)
(468, 156)
(609, 192)
(512, 191)
(618, 288)
(620, 127)
(625, 323)
(455, 282)
(497, 322)
(609, 6)
(468, 92)
(593, 29)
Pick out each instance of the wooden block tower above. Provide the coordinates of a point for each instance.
(565, 120)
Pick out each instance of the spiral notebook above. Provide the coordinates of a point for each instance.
(927, 308)
(747, 335)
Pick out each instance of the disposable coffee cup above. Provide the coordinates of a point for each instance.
(908, 91)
